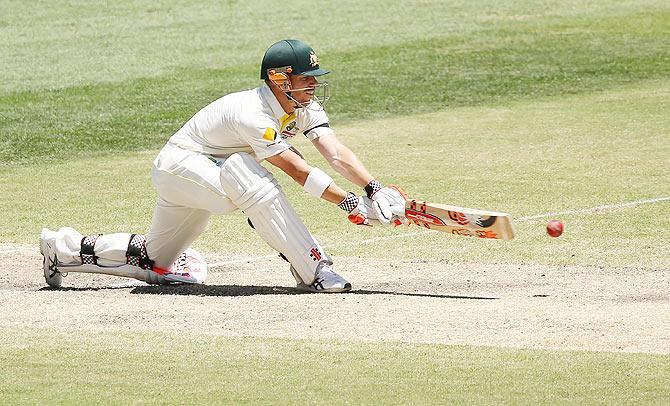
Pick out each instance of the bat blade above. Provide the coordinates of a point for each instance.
(460, 220)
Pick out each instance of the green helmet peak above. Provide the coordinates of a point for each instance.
(293, 54)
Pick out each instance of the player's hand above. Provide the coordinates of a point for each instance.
(388, 204)
(359, 209)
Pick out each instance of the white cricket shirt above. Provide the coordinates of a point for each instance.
(250, 121)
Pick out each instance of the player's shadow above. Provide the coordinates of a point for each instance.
(242, 290)
(83, 288)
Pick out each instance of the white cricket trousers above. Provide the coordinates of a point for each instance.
(190, 189)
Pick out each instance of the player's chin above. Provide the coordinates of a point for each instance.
(306, 97)
(304, 100)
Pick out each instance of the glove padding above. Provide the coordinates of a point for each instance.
(388, 204)
(363, 214)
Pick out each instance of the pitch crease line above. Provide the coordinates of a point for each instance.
(242, 260)
(594, 209)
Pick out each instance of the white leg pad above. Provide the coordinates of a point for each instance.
(110, 252)
(255, 191)
(109, 248)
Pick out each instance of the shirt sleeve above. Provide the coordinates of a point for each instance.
(263, 136)
(314, 121)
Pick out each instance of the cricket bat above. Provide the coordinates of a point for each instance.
(460, 220)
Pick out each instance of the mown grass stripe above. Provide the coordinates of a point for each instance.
(494, 66)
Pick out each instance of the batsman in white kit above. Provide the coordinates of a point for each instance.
(211, 166)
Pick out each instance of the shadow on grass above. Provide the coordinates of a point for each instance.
(241, 290)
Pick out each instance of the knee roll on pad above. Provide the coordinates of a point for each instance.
(246, 182)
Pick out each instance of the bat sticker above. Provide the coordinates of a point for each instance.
(464, 219)
(482, 222)
(474, 233)
(459, 217)
(424, 218)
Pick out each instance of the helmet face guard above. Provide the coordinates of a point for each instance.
(280, 77)
(321, 96)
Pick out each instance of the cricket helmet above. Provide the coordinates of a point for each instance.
(291, 56)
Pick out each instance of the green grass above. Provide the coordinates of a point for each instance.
(127, 368)
(59, 44)
(554, 154)
(468, 57)
(521, 106)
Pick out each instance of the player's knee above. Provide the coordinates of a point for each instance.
(247, 183)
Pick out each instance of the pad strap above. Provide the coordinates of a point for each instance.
(87, 251)
(136, 254)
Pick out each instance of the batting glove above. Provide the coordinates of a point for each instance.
(388, 203)
(359, 209)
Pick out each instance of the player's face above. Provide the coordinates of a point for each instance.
(304, 88)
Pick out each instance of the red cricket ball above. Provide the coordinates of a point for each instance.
(555, 228)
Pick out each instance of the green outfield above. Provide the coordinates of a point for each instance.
(142, 368)
(527, 107)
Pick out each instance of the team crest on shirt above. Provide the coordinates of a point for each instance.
(288, 125)
(290, 130)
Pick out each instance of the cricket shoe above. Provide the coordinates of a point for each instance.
(325, 281)
(50, 263)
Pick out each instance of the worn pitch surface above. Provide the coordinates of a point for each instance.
(582, 308)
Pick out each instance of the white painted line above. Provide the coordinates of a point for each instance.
(8, 249)
(242, 260)
(385, 238)
(593, 209)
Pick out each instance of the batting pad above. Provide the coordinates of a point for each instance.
(255, 191)
(110, 251)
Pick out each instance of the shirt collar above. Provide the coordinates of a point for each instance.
(270, 99)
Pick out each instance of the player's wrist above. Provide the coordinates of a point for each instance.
(349, 203)
(373, 187)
